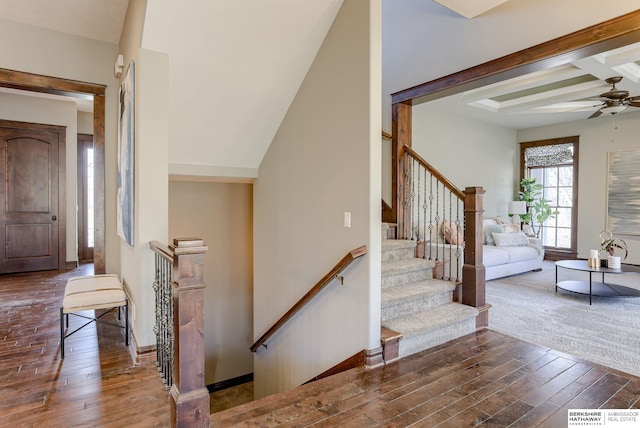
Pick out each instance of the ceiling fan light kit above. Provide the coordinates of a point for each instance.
(615, 100)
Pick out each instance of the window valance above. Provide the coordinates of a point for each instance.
(556, 154)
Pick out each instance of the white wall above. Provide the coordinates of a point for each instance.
(151, 182)
(470, 153)
(36, 50)
(221, 214)
(597, 137)
(324, 160)
(52, 112)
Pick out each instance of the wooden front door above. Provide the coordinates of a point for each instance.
(31, 211)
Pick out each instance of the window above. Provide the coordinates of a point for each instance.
(86, 194)
(554, 164)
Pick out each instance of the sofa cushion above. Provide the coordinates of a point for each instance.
(520, 254)
(494, 256)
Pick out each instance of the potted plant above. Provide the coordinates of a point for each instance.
(530, 190)
(538, 208)
(610, 245)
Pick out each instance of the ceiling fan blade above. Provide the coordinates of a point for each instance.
(634, 103)
(636, 98)
(584, 108)
(596, 114)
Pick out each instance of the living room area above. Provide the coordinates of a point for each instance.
(477, 138)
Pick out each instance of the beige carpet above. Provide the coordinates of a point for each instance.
(607, 332)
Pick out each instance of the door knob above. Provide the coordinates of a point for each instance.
(54, 218)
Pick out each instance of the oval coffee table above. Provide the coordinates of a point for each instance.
(592, 288)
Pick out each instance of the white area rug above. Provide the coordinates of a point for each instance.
(607, 332)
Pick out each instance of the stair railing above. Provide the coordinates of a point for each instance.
(433, 212)
(432, 209)
(163, 327)
(179, 286)
(330, 276)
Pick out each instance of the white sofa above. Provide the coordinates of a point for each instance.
(499, 260)
(504, 260)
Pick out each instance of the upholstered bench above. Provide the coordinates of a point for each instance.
(93, 292)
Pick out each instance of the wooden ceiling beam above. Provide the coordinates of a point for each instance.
(614, 33)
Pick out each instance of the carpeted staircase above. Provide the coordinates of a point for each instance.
(414, 304)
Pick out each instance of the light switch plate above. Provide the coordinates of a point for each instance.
(347, 219)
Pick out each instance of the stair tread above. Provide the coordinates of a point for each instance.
(430, 287)
(393, 267)
(431, 319)
(387, 335)
(395, 244)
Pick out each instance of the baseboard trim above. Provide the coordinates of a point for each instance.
(374, 358)
(482, 319)
(141, 355)
(224, 384)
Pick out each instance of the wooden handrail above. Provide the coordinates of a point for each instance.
(386, 136)
(333, 273)
(437, 174)
(162, 250)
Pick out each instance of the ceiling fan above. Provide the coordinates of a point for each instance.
(615, 100)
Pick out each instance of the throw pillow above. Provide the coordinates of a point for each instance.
(492, 228)
(510, 228)
(451, 233)
(518, 239)
(498, 219)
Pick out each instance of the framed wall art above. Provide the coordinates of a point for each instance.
(623, 196)
(126, 162)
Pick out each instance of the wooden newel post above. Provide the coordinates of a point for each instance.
(400, 179)
(473, 271)
(189, 395)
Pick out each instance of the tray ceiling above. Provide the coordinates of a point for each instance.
(564, 93)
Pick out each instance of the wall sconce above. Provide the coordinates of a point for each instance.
(517, 208)
(118, 66)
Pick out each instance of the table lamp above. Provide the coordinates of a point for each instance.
(516, 208)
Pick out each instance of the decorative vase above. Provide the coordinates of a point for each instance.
(613, 262)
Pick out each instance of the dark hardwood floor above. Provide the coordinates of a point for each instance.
(484, 379)
(96, 383)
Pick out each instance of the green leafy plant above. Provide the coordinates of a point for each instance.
(538, 208)
(610, 244)
(530, 191)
